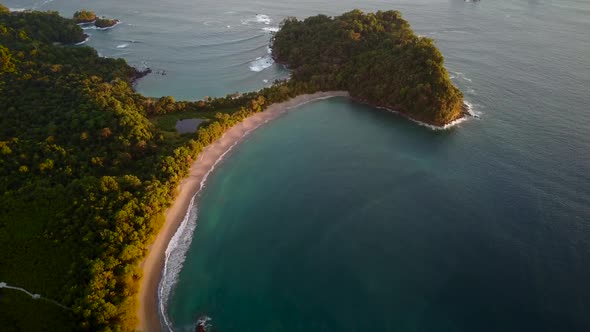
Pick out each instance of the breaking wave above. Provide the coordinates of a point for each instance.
(270, 29)
(261, 63)
(259, 18)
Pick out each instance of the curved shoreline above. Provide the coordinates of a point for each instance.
(153, 264)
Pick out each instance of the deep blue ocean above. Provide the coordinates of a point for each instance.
(340, 217)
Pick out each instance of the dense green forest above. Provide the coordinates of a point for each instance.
(377, 58)
(88, 166)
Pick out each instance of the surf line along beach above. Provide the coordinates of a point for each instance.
(153, 264)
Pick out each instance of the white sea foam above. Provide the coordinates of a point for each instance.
(84, 41)
(86, 24)
(175, 255)
(122, 46)
(261, 63)
(265, 81)
(108, 28)
(445, 127)
(259, 18)
(16, 10)
(473, 109)
(270, 29)
(204, 322)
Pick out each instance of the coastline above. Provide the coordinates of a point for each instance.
(153, 264)
(466, 113)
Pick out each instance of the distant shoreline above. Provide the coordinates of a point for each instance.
(153, 264)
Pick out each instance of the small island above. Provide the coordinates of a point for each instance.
(89, 166)
(87, 17)
(105, 23)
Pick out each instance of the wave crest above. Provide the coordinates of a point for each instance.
(261, 63)
(259, 18)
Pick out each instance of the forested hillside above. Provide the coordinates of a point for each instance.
(377, 58)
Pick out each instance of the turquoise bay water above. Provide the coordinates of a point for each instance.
(340, 217)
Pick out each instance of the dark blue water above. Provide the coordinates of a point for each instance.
(340, 217)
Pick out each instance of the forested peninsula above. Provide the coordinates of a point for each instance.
(377, 58)
(88, 166)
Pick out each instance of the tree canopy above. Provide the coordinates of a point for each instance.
(84, 16)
